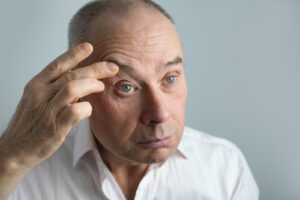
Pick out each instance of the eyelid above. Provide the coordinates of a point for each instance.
(123, 76)
(172, 73)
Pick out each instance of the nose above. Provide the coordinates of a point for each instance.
(155, 108)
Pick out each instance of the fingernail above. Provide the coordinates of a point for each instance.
(111, 67)
(85, 47)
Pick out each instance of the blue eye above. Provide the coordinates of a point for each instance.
(126, 88)
(171, 79)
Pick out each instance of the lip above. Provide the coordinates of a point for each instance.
(157, 143)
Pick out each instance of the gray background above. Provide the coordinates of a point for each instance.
(242, 62)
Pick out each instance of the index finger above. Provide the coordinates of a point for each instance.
(65, 62)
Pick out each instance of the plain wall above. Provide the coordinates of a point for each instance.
(243, 68)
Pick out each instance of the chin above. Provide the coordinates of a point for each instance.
(158, 155)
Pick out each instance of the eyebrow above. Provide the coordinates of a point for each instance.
(176, 61)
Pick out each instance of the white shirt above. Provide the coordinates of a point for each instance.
(203, 168)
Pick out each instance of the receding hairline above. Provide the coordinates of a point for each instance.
(81, 21)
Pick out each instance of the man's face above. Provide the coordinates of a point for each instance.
(140, 115)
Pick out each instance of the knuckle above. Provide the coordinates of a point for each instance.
(93, 70)
(69, 90)
(37, 98)
(56, 66)
(99, 69)
(32, 94)
(71, 75)
(31, 85)
(72, 54)
(28, 88)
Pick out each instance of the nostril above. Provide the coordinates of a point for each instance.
(152, 122)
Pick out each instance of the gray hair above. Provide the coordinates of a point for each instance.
(79, 24)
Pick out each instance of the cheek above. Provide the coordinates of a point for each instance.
(178, 103)
(113, 117)
(106, 110)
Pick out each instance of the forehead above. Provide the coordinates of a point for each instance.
(139, 26)
(139, 36)
(140, 21)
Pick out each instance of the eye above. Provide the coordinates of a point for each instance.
(170, 79)
(125, 88)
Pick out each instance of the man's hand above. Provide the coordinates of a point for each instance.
(49, 108)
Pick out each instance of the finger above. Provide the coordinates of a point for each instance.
(74, 90)
(72, 115)
(65, 62)
(97, 70)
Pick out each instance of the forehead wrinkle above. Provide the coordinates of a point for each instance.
(131, 43)
(108, 46)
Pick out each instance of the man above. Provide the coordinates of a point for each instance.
(124, 72)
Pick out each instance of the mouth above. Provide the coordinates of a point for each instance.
(156, 143)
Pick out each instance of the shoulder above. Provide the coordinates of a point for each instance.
(213, 155)
(219, 162)
(198, 143)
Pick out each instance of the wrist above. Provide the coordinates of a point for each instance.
(10, 164)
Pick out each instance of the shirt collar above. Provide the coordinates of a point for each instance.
(182, 148)
(85, 142)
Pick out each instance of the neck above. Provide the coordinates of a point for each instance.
(127, 174)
